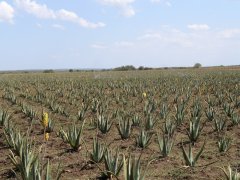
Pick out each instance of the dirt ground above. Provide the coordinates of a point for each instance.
(76, 165)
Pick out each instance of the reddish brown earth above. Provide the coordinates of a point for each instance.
(76, 165)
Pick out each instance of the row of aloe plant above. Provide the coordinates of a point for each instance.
(5, 117)
(25, 157)
(195, 124)
(115, 161)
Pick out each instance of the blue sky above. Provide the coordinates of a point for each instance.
(43, 34)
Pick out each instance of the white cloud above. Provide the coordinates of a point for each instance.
(124, 5)
(150, 35)
(65, 15)
(165, 46)
(167, 37)
(166, 2)
(198, 27)
(170, 46)
(117, 2)
(6, 12)
(128, 11)
(58, 26)
(43, 12)
(229, 33)
(38, 10)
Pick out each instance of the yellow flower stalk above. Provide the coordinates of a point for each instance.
(46, 136)
(45, 120)
(144, 94)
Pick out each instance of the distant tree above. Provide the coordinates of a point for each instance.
(125, 68)
(147, 68)
(144, 68)
(141, 68)
(70, 70)
(197, 65)
(48, 71)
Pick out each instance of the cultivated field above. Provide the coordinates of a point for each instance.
(181, 123)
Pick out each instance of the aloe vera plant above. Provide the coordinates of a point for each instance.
(16, 140)
(219, 96)
(210, 113)
(29, 111)
(219, 124)
(4, 117)
(113, 163)
(124, 128)
(25, 162)
(236, 102)
(150, 122)
(228, 109)
(132, 168)
(98, 151)
(229, 174)
(210, 101)
(196, 111)
(50, 126)
(169, 128)
(11, 97)
(104, 124)
(235, 119)
(28, 163)
(136, 120)
(47, 174)
(82, 113)
(164, 111)
(72, 136)
(194, 130)
(28, 171)
(12, 137)
(165, 145)
(150, 106)
(190, 160)
(180, 113)
(224, 144)
(95, 105)
(143, 139)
